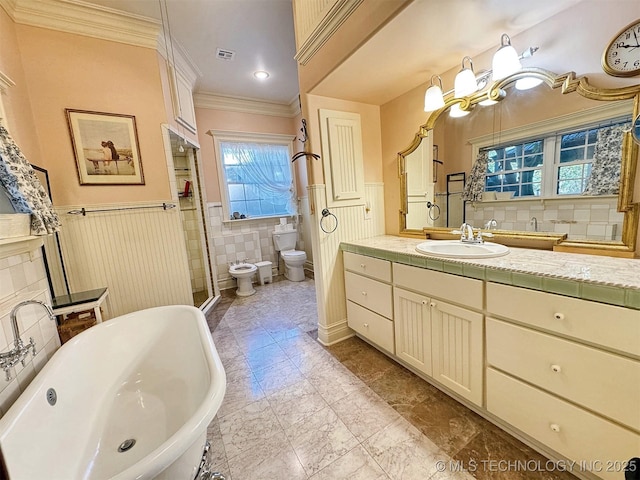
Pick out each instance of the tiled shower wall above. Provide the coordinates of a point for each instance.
(583, 218)
(23, 277)
(251, 239)
(194, 247)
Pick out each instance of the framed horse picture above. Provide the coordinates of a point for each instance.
(105, 146)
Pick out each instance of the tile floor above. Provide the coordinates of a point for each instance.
(296, 410)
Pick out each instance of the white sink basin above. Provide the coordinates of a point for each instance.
(457, 249)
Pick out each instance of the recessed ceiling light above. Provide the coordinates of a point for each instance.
(261, 75)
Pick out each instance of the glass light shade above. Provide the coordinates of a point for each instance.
(505, 62)
(527, 82)
(465, 83)
(457, 112)
(433, 99)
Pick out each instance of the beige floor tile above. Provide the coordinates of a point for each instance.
(403, 452)
(354, 465)
(242, 389)
(364, 413)
(272, 459)
(296, 402)
(320, 439)
(248, 428)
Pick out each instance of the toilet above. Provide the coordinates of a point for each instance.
(285, 243)
(243, 272)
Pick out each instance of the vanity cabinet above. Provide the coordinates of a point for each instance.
(369, 299)
(435, 336)
(554, 375)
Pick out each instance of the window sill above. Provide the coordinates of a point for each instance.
(558, 198)
(255, 219)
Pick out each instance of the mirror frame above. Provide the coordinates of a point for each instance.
(568, 83)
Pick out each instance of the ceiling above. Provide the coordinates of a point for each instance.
(427, 37)
(260, 32)
(431, 37)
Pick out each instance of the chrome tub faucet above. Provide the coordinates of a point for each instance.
(20, 350)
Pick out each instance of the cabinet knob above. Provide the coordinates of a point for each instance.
(554, 427)
(433, 304)
(362, 265)
(558, 316)
(364, 293)
(556, 368)
(366, 325)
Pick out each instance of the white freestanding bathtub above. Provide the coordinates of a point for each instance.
(152, 376)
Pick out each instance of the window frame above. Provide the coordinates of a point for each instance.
(549, 130)
(247, 137)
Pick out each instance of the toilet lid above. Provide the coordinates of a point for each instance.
(293, 254)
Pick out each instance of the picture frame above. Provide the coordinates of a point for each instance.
(105, 147)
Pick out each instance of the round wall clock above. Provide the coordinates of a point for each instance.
(621, 58)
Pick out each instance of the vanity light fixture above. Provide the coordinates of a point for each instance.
(465, 82)
(506, 60)
(261, 75)
(433, 98)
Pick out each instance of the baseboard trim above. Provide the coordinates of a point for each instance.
(335, 333)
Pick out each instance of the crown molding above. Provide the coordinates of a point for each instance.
(81, 18)
(327, 25)
(178, 57)
(246, 105)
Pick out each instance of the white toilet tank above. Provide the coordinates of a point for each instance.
(284, 241)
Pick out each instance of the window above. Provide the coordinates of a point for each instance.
(553, 165)
(516, 168)
(256, 176)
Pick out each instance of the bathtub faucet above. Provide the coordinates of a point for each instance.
(20, 350)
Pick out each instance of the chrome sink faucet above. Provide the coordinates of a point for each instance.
(20, 350)
(491, 224)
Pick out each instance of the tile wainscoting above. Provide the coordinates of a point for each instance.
(23, 277)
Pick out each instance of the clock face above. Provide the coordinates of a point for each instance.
(622, 56)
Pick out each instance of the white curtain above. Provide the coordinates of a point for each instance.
(26, 193)
(266, 165)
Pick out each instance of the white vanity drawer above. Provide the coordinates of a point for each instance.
(372, 326)
(461, 290)
(571, 431)
(607, 325)
(369, 266)
(601, 381)
(369, 293)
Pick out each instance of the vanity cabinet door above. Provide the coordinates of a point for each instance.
(412, 321)
(457, 357)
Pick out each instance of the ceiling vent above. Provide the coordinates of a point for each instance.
(223, 54)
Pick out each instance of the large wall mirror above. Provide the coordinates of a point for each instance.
(557, 165)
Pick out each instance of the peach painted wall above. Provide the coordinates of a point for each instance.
(70, 71)
(209, 119)
(561, 50)
(371, 134)
(17, 104)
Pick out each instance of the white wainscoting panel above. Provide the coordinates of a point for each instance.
(328, 266)
(139, 254)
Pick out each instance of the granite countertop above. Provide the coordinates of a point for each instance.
(604, 279)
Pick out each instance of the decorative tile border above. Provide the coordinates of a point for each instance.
(613, 295)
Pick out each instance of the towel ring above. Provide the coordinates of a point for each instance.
(326, 213)
(430, 208)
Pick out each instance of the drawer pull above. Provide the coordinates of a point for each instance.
(556, 368)
(554, 427)
(362, 265)
(366, 325)
(558, 316)
(433, 304)
(364, 293)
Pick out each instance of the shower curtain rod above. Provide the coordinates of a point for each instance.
(83, 212)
